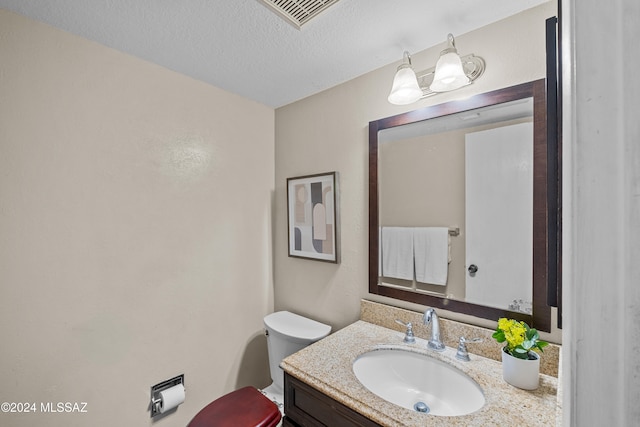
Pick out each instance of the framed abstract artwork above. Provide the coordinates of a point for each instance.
(312, 217)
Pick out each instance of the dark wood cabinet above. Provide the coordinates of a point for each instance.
(304, 406)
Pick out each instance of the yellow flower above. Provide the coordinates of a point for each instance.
(515, 335)
(504, 323)
(514, 331)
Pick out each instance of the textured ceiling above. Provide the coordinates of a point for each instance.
(244, 47)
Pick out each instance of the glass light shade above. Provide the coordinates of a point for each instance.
(449, 73)
(405, 88)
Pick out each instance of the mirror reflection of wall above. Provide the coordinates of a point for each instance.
(422, 183)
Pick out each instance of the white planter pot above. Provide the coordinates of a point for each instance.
(521, 373)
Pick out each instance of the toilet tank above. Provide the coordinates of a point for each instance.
(286, 334)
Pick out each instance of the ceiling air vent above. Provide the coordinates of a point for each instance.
(299, 12)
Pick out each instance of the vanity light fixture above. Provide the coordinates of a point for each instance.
(451, 72)
(405, 89)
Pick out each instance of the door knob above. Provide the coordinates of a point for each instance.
(472, 269)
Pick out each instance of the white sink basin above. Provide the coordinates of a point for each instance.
(418, 382)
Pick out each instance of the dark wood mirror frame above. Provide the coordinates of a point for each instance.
(545, 214)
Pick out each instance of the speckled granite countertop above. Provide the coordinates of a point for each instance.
(327, 366)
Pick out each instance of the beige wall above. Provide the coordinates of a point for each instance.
(328, 132)
(135, 231)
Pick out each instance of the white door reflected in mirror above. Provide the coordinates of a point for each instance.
(499, 216)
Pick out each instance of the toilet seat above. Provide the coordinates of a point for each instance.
(245, 407)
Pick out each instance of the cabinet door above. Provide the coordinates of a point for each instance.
(308, 407)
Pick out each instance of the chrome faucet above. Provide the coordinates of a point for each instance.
(463, 353)
(409, 338)
(434, 343)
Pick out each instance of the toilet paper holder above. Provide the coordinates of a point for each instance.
(156, 400)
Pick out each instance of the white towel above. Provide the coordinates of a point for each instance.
(397, 252)
(431, 248)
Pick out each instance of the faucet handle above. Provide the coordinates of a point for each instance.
(462, 352)
(409, 338)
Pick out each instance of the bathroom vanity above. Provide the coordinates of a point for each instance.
(322, 389)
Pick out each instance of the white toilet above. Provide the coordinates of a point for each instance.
(287, 333)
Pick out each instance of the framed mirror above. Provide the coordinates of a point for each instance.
(475, 176)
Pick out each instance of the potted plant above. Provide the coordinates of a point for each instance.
(520, 360)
